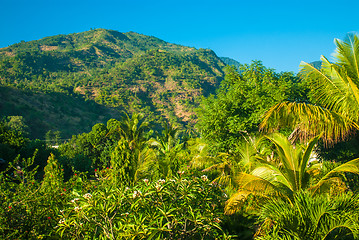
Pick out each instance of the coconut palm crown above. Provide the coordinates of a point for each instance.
(335, 94)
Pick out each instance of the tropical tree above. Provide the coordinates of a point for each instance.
(334, 96)
(131, 157)
(288, 172)
(129, 165)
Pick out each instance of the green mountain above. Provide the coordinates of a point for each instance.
(55, 82)
(230, 61)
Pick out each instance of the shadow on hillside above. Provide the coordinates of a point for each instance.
(70, 114)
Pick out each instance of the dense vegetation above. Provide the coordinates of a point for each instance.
(135, 175)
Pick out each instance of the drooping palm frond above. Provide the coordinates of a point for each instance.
(309, 120)
(250, 185)
(145, 163)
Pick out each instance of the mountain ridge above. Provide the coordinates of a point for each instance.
(127, 72)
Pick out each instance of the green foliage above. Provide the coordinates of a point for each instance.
(308, 217)
(168, 145)
(79, 208)
(105, 143)
(53, 137)
(149, 210)
(103, 184)
(131, 164)
(241, 100)
(28, 208)
(53, 176)
(44, 110)
(17, 124)
(14, 144)
(12, 136)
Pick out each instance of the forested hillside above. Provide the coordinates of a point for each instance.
(109, 71)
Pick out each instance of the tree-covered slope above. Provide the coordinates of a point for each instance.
(121, 71)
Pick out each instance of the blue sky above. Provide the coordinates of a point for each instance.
(280, 33)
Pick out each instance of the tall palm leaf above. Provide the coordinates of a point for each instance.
(134, 130)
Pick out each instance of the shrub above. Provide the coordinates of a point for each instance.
(173, 209)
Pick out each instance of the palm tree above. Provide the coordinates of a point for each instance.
(335, 91)
(168, 145)
(131, 159)
(167, 141)
(130, 165)
(134, 129)
(289, 172)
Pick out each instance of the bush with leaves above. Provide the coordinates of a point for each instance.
(165, 209)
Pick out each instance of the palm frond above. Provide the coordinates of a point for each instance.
(309, 120)
(348, 167)
(250, 184)
(236, 202)
(308, 217)
(255, 186)
(347, 54)
(335, 91)
(333, 88)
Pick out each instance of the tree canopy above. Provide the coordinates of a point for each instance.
(243, 97)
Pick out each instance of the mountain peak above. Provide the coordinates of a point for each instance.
(128, 71)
